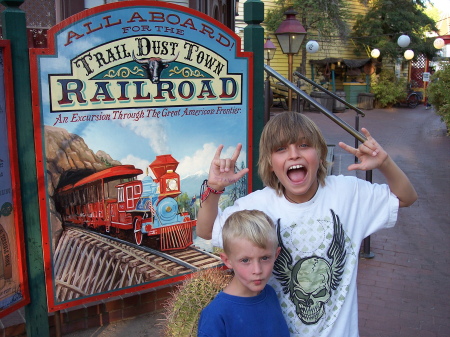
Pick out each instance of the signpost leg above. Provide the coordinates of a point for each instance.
(254, 42)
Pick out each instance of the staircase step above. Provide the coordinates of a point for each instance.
(330, 157)
(341, 162)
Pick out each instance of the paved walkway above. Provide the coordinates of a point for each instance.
(404, 290)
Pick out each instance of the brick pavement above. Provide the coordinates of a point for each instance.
(404, 290)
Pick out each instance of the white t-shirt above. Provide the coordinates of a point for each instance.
(315, 274)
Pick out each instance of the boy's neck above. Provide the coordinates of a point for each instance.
(300, 199)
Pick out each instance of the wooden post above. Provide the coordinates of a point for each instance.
(290, 72)
(14, 29)
(254, 42)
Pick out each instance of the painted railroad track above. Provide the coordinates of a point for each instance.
(87, 263)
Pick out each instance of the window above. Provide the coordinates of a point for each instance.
(71, 7)
(120, 194)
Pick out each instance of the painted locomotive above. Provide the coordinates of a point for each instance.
(113, 201)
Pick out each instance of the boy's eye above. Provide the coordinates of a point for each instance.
(281, 148)
(244, 260)
(304, 145)
(265, 258)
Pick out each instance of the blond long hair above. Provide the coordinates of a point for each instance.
(289, 128)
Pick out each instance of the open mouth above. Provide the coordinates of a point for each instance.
(296, 173)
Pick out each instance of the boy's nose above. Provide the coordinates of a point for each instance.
(293, 151)
(257, 268)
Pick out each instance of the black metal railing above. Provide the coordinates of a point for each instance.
(306, 79)
(347, 127)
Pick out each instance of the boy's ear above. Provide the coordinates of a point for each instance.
(278, 252)
(225, 260)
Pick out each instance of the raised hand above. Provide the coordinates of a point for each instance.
(222, 171)
(370, 154)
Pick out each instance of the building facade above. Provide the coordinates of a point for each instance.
(44, 14)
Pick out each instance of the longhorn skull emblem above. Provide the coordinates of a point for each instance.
(154, 66)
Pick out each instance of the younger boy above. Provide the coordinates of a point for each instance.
(247, 306)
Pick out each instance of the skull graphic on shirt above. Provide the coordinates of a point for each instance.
(311, 280)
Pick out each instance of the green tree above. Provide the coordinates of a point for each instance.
(184, 203)
(239, 188)
(386, 20)
(438, 94)
(320, 18)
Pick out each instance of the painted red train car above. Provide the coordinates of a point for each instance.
(113, 201)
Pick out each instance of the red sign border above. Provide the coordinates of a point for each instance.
(5, 45)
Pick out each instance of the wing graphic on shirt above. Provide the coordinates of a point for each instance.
(336, 252)
(283, 265)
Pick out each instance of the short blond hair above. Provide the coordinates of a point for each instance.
(284, 129)
(252, 225)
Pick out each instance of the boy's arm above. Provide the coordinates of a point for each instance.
(372, 156)
(398, 183)
(221, 174)
(206, 216)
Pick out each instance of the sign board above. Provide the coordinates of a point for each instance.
(131, 100)
(426, 77)
(13, 276)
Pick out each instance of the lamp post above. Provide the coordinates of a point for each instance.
(290, 35)
(269, 53)
(269, 50)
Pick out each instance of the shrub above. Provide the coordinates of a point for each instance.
(182, 310)
(388, 89)
(439, 94)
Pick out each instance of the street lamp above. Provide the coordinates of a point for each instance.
(409, 54)
(439, 43)
(290, 35)
(375, 53)
(312, 47)
(403, 41)
(269, 50)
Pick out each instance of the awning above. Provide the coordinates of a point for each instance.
(348, 62)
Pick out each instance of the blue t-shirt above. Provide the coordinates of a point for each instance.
(234, 316)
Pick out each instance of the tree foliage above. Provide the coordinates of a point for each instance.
(386, 20)
(438, 94)
(388, 89)
(320, 18)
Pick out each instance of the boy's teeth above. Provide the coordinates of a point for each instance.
(295, 167)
